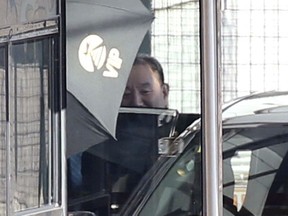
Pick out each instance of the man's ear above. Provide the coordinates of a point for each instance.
(165, 90)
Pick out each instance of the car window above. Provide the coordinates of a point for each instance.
(254, 171)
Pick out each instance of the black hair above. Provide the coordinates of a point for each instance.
(152, 62)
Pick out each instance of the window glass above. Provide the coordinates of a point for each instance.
(16, 12)
(29, 125)
(254, 170)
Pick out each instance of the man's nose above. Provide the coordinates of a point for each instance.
(137, 100)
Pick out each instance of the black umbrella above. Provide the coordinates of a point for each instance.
(103, 37)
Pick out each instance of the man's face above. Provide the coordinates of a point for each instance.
(144, 89)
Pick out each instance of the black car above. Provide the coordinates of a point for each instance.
(255, 164)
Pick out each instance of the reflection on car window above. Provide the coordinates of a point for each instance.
(240, 164)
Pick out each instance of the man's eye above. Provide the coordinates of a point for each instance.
(146, 91)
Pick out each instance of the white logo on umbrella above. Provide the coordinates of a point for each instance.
(92, 56)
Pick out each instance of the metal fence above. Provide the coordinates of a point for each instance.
(254, 48)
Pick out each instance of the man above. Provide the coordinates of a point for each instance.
(145, 86)
(116, 167)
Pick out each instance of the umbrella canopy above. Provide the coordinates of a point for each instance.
(103, 37)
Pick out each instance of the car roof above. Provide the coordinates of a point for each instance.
(258, 106)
